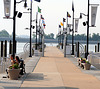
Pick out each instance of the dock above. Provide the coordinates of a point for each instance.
(53, 71)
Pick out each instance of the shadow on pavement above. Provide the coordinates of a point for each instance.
(48, 88)
(35, 77)
(41, 88)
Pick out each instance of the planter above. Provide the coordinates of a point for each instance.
(87, 66)
(13, 74)
(40, 50)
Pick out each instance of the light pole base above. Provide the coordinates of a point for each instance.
(30, 56)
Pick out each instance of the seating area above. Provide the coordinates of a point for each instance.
(22, 67)
(84, 64)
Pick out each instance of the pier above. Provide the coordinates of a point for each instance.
(53, 71)
(42, 58)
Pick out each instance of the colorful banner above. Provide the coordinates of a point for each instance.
(39, 10)
(76, 24)
(64, 20)
(38, 0)
(68, 15)
(61, 23)
(7, 6)
(68, 30)
(93, 15)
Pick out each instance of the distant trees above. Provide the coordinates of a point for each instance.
(49, 36)
(4, 33)
(93, 37)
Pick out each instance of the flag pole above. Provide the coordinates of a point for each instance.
(39, 30)
(73, 31)
(65, 35)
(66, 27)
(36, 30)
(62, 35)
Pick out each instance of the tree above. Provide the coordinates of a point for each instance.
(95, 37)
(34, 36)
(51, 35)
(4, 33)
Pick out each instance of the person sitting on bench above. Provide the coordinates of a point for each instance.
(21, 64)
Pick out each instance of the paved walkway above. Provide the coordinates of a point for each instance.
(56, 72)
(6, 83)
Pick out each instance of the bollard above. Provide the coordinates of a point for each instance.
(5, 49)
(1, 48)
(15, 45)
(98, 47)
(10, 47)
(85, 52)
(95, 48)
(78, 49)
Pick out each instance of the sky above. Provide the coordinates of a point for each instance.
(53, 12)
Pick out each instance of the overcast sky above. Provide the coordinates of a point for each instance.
(53, 12)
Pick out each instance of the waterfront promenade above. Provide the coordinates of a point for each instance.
(54, 72)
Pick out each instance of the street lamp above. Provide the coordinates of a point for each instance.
(84, 23)
(87, 22)
(14, 26)
(30, 55)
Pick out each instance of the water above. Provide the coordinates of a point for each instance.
(91, 46)
(21, 45)
(19, 48)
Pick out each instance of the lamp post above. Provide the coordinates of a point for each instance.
(14, 28)
(73, 34)
(30, 55)
(14, 25)
(87, 29)
(92, 24)
(87, 44)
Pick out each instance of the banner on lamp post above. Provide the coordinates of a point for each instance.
(93, 15)
(68, 30)
(76, 24)
(7, 6)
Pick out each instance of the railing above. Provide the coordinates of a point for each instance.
(5, 62)
(81, 50)
(24, 54)
(94, 59)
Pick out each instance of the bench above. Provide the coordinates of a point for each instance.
(83, 64)
(22, 67)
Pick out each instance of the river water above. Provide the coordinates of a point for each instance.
(21, 45)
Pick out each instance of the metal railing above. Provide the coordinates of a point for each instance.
(5, 62)
(81, 50)
(94, 59)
